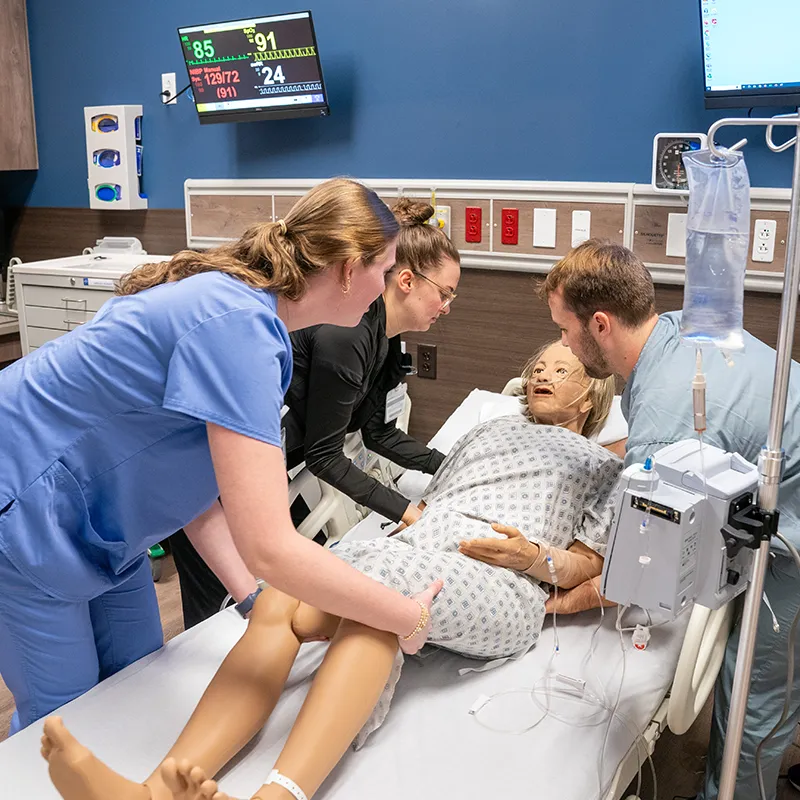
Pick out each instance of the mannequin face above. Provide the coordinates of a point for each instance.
(557, 388)
(422, 299)
(365, 284)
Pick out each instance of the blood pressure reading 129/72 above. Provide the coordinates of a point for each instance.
(269, 62)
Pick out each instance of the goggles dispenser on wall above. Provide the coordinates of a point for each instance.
(114, 156)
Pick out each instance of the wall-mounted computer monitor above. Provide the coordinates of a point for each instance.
(751, 52)
(252, 69)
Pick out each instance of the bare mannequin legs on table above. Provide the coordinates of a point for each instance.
(237, 704)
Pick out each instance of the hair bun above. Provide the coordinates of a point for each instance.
(412, 212)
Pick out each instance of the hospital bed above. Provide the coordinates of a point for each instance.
(430, 744)
(332, 510)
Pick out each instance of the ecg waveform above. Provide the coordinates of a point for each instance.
(290, 88)
(267, 55)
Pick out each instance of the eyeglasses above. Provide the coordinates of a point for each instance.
(446, 295)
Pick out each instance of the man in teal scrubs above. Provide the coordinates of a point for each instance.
(602, 298)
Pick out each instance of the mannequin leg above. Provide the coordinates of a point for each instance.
(233, 708)
(347, 687)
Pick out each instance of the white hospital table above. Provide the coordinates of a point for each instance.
(430, 746)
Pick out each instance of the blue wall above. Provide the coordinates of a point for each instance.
(529, 89)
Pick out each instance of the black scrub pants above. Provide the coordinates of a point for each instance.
(202, 592)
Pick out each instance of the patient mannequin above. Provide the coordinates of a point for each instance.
(549, 492)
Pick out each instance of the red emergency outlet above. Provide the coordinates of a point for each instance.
(509, 221)
(472, 224)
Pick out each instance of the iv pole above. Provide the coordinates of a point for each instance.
(771, 459)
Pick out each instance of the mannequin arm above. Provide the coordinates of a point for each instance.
(570, 567)
(583, 597)
(617, 448)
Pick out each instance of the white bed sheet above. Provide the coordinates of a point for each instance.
(429, 745)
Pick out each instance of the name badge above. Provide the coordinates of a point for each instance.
(395, 402)
(284, 412)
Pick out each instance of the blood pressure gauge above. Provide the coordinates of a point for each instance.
(669, 173)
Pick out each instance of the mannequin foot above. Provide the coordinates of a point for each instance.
(189, 783)
(78, 775)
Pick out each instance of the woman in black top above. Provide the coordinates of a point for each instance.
(340, 381)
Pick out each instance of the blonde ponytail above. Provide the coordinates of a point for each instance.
(337, 221)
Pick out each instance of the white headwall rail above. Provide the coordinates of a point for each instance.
(628, 195)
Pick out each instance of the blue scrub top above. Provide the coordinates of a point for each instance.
(104, 443)
(657, 402)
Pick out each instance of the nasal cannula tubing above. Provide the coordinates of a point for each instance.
(571, 402)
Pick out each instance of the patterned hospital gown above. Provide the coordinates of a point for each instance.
(553, 485)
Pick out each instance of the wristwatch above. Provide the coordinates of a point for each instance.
(246, 606)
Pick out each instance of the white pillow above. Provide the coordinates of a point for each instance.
(502, 406)
(616, 427)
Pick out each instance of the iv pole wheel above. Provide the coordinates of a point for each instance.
(699, 664)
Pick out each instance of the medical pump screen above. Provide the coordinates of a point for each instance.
(263, 68)
(751, 52)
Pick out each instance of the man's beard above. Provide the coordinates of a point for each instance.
(592, 358)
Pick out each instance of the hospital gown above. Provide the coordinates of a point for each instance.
(553, 485)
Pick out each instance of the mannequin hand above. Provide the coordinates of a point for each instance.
(412, 514)
(513, 552)
(426, 598)
(582, 598)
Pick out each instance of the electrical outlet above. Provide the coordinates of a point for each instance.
(764, 240)
(169, 84)
(441, 219)
(473, 217)
(426, 361)
(509, 219)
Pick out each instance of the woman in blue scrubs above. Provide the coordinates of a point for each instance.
(131, 426)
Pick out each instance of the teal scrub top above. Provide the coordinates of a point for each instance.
(657, 402)
(103, 430)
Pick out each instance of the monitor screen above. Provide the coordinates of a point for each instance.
(751, 54)
(250, 69)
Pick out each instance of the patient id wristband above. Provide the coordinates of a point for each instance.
(246, 606)
(286, 783)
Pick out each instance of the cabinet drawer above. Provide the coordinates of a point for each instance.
(58, 297)
(38, 336)
(63, 319)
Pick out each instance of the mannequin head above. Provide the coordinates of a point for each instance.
(557, 391)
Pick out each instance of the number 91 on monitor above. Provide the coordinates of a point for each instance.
(262, 68)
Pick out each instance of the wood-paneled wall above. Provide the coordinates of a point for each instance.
(41, 233)
(495, 324)
(498, 322)
(17, 126)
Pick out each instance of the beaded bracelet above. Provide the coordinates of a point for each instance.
(424, 617)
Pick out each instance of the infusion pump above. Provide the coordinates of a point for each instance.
(674, 540)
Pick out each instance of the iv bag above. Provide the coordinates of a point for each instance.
(717, 240)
